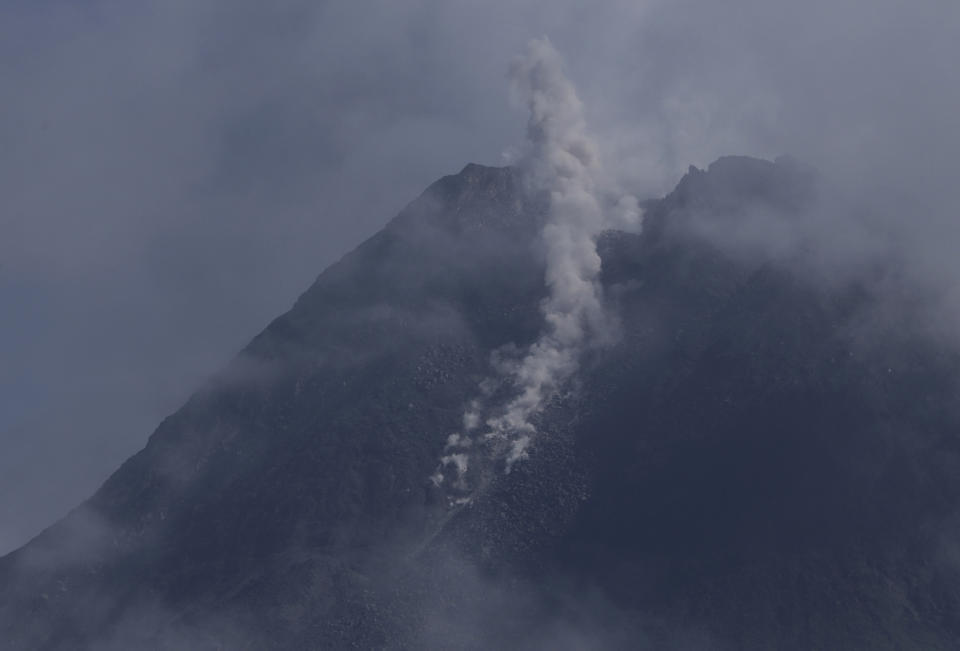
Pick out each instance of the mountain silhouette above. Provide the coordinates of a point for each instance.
(752, 461)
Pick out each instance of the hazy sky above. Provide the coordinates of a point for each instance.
(173, 174)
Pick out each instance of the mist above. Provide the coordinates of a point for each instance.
(172, 176)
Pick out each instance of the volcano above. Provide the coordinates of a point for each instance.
(748, 462)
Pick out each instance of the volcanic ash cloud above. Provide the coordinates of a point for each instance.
(563, 162)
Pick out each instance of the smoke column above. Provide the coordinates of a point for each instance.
(562, 161)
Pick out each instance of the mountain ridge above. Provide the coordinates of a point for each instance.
(735, 435)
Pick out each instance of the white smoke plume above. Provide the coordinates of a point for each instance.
(562, 161)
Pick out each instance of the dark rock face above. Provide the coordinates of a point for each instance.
(747, 467)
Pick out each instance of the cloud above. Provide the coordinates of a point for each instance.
(466, 605)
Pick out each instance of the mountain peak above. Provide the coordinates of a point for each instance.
(476, 170)
(784, 184)
(478, 198)
(730, 444)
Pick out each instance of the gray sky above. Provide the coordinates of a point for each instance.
(173, 174)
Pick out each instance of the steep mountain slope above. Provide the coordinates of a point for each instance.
(747, 465)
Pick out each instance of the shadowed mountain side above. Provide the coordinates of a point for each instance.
(746, 467)
(320, 436)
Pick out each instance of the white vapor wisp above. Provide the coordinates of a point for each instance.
(562, 161)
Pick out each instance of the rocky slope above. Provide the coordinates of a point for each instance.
(747, 465)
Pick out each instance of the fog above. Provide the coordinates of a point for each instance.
(173, 175)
